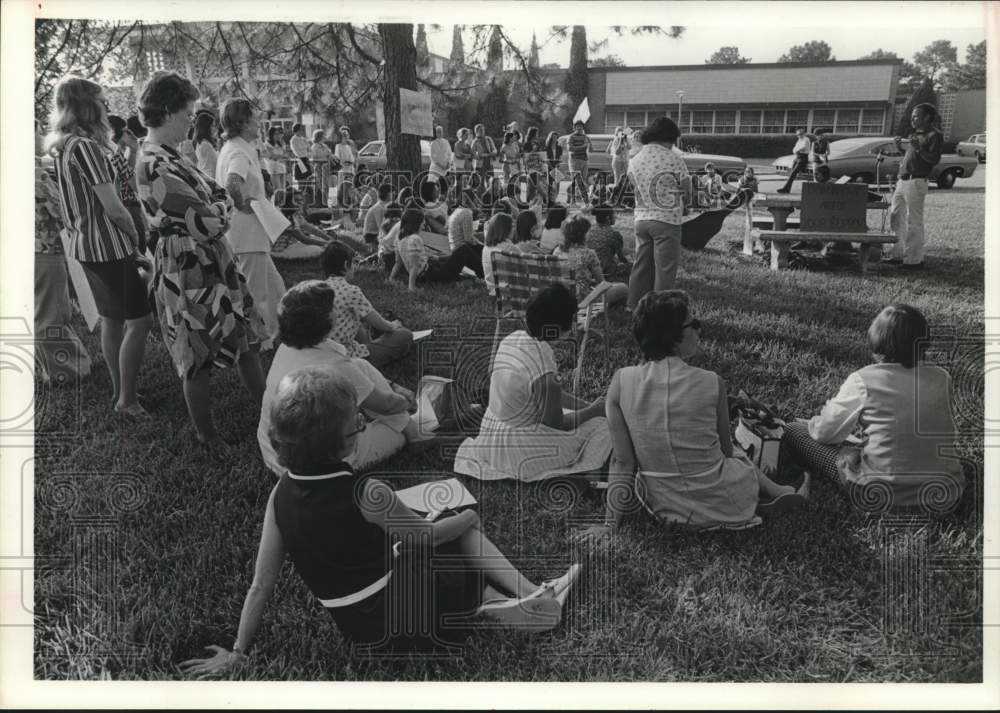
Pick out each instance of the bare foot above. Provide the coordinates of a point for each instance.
(132, 411)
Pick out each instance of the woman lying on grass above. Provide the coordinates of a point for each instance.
(670, 426)
(386, 575)
(903, 407)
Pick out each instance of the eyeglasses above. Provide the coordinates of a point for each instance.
(694, 324)
(359, 424)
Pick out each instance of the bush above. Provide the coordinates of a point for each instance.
(747, 145)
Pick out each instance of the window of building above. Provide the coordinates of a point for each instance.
(636, 118)
(774, 122)
(847, 121)
(750, 122)
(154, 60)
(872, 121)
(824, 119)
(613, 119)
(701, 122)
(796, 119)
(725, 122)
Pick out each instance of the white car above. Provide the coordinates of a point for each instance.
(975, 145)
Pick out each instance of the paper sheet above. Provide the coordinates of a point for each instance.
(422, 334)
(271, 219)
(436, 496)
(425, 417)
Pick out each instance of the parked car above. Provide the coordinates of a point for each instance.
(372, 157)
(876, 160)
(730, 167)
(975, 145)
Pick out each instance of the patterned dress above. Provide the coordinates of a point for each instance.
(205, 310)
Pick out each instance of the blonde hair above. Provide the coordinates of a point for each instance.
(76, 112)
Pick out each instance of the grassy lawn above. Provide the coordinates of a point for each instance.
(816, 596)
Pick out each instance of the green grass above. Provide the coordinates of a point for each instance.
(803, 598)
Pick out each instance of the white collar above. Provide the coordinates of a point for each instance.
(324, 476)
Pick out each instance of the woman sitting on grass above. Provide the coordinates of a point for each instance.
(552, 236)
(498, 233)
(414, 258)
(307, 316)
(356, 318)
(370, 560)
(526, 233)
(532, 428)
(903, 409)
(670, 425)
(585, 262)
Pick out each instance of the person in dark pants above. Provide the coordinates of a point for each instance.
(421, 266)
(803, 145)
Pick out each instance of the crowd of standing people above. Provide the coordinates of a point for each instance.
(197, 260)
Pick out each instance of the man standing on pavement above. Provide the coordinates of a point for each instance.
(906, 214)
(803, 145)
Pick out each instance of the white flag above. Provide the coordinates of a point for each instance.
(582, 113)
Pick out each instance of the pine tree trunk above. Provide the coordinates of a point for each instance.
(402, 150)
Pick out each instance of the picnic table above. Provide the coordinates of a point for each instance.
(781, 206)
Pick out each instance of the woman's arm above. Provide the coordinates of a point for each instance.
(377, 321)
(621, 474)
(412, 281)
(841, 413)
(546, 387)
(107, 193)
(722, 419)
(385, 402)
(270, 555)
(380, 506)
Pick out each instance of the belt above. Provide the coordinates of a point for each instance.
(910, 177)
(359, 596)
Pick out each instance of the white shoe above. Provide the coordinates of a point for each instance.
(533, 613)
(560, 587)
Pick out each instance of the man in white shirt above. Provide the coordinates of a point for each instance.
(440, 153)
(803, 146)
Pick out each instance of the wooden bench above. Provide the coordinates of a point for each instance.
(766, 222)
(781, 240)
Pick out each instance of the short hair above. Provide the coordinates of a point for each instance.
(526, 220)
(296, 128)
(822, 171)
(118, 127)
(556, 216)
(394, 211)
(464, 131)
(550, 311)
(578, 123)
(309, 412)
(898, 335)
(234, 117)
(385, 191)
(342, 129)
(427, 188)
(304, 314)
(800, 130)
(135, 126)
(508, 137)
(318, 136)
(165, 93)
(498, 229)
(929, 109)
(336, 258)
(708, 165)
(575, 230)
(658, 323)
(411, 221)
(662, 128)
(820, 132)
(603, 213)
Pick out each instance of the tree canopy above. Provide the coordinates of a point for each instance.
(727, 55)
(812, 51)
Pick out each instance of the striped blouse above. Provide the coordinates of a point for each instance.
(81, 164)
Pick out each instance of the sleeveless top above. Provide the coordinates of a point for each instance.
(334, 549)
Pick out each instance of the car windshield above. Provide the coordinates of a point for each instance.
(372, 148)
(845, 146)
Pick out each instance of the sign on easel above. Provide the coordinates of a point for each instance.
(415, 115)
(828, 207)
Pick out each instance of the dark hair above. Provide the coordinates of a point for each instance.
(508, 137)
(310, 410)
(550, 311)
(662, 128)
(272, 131)
(235, 115)
(385, 191)
(658, 323)
(819, 132)
(929, 109)
(574, 231)
(503, 206)
(531, 134)
(603, 213)
(556, 216)
(526, 220)
(552, 139)
(394, 210)
(498, 229)
(405, 194)
(203, 128)
(118, 127)
(822, 172)
(898, 335)
(304, 317)
(579, 123)
(411, 221)
(296, 128)
(165, 93)
(336, 258)
(136, 127)
(427, 188)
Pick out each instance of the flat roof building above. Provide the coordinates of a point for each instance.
(847, 98)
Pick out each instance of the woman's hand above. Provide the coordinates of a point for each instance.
(143, 262)
(411, 399)
(222, 661)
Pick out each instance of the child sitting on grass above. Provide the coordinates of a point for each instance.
(606, 241)
(903, 408)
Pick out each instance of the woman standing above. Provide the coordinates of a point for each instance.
(553, 154)
(102, 234)
(346, 154)
(204, 143)
(275, 155)
(463, 151)
(440, 153)
(483, 151)
(320, 155)
(662, 189)
(619, 148)
(299, 145)
(205, 310)
(239, 171)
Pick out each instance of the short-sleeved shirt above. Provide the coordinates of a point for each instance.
(586, 265)
(520, 361)
(350, 307)
(413, 253)
(607, 243)
(923, 145)
(374, 217)
(81, 164)
(246, 234)
(657, 174)
(48, 223)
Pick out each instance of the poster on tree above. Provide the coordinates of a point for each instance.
(415, 113)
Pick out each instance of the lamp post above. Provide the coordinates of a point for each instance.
(680, 106)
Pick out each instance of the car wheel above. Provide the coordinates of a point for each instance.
(862, 178)
(946, 180)
(978, 157)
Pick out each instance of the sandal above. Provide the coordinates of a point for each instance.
(534, 613)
